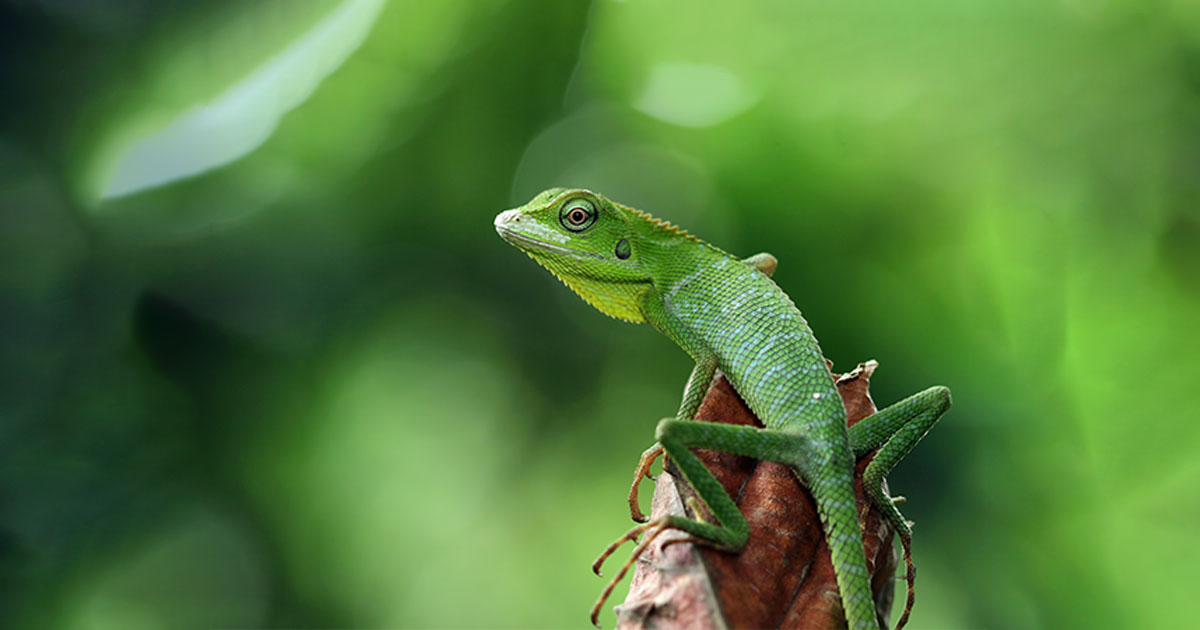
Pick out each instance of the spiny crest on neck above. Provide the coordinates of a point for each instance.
(669, 229)
(659, 224)
(666, 226)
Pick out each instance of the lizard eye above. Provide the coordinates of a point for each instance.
(577, 215)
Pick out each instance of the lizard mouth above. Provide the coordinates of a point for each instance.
(526, 242)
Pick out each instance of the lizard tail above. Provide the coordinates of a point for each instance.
(839, 516)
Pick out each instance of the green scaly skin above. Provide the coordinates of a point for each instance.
(728, 314)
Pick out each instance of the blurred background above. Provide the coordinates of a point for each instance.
(264, 361)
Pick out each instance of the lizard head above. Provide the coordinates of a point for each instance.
(588, 242)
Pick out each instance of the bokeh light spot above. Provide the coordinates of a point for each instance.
(693, 95)
(244, 116)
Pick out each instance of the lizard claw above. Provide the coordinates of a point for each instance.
(643, 470)
(652, 529)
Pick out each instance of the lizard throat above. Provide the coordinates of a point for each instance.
(616, 297)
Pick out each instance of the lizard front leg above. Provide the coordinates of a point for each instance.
(693, 394)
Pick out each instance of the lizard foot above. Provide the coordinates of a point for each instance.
(652, 529)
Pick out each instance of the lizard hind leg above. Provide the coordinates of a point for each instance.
(895, 430)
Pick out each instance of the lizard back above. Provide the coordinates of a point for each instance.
(761, 342)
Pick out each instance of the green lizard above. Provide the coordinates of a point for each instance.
(729, 315)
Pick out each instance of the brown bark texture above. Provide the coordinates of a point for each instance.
(784, 577)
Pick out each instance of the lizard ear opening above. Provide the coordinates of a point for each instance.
(623, 250)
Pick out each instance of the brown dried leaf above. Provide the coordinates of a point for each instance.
(784, 577)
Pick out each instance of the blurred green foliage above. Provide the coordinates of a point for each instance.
(308, 386)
